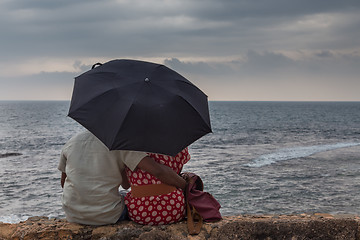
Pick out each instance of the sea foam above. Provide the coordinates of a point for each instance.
(295, 152)
(13, 218)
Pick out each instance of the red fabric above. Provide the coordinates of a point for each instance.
(206, 205)
(160, 209)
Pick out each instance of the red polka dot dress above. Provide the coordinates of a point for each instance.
(160, 209)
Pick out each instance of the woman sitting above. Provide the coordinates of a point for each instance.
(151, 201)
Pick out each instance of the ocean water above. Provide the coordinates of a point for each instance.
(262, 157)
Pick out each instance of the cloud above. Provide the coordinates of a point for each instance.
(199, 68)
(41, 86)
(324, 54)
(231, 41)
(88, 28)
(275, 67)
(81, 67)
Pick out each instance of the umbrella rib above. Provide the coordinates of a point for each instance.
(205, 120)
(130, 106)
(192, 85)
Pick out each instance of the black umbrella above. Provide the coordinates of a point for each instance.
(141, 106)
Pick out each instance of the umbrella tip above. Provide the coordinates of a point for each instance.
(95, 65)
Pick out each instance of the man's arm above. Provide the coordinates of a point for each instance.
(162, 172)
(63, 177)
(125, 181)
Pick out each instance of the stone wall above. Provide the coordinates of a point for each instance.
(294, 227)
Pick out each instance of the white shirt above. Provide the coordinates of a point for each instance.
(91, 194)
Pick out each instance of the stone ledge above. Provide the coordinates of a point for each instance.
(246, 227)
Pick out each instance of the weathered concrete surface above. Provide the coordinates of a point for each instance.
(292, 227)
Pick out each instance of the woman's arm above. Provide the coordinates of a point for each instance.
(164, 173)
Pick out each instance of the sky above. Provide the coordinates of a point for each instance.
(233, 50)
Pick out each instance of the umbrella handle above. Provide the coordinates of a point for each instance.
(96, 64)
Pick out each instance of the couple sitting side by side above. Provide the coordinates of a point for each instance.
(91, 177)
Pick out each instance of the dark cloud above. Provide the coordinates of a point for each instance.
(235, 9)
(267, 61)
(199, 68)
(87, 28)
(324, 54)
(255, 63)
(271, 65)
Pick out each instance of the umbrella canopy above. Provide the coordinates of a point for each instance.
(140, 106)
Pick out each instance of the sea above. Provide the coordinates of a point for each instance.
(261, 158)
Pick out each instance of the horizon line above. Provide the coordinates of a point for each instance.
(58, 100)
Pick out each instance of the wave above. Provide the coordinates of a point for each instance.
(296, 152)
(13, 218)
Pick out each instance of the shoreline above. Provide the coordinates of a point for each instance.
(301, 226)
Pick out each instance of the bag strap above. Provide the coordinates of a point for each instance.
(192, 215)
(194, 219)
